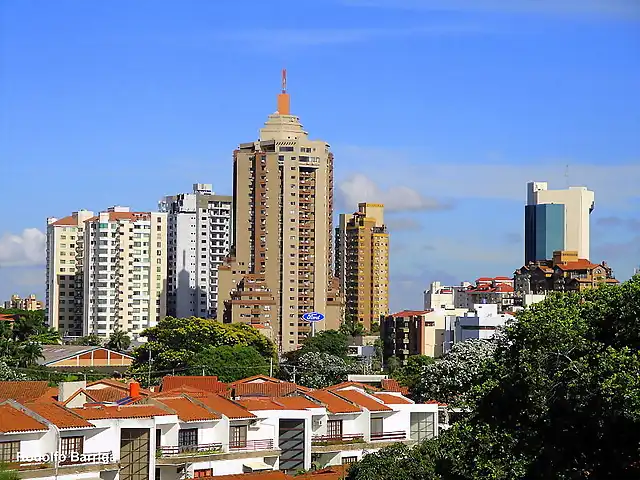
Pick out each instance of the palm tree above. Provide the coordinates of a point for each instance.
(48, 336)
(29, 354)
(119, 340)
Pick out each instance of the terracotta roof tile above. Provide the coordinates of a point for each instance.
(65, 222)
(392, 385)
(272, 475)
(58, 415)
(410, 313)
(257, 404)
(14, 420)
(333, 403)
(226, 407)
(23, 391)
(116, 216)
(108, 394)
(187, 410)
(207, 384)
(363, 400)
(297, 403)
(335, 472)
(129, 411)
(390, 399)
(581, 264)
(120, 385)
(363, 386)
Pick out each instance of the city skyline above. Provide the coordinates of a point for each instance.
(455, 113)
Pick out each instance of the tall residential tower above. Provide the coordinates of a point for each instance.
(362, 263)
(280, 264)
(556, 220)
(198, 238)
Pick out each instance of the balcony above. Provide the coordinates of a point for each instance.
(251, 445)
(389, 436)
(322, 440)
(188, 450)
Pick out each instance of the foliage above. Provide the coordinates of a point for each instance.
(6, 474)
(393, 364)
(321, 369)
(331, 342)
(175, 343)
(7, 373)
(451, 379)
(230, 363)
(560, 398)
(91, 340)
(119, 341)
(352, 326)
(412, 373)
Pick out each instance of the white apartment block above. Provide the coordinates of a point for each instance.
(65, 273)
(480, 323)
(198, 238)
(192, 433)
(125, 271)
(443, 296)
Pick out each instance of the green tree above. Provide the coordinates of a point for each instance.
(332, 342)
(6, 474)
(29, 353)
(119, 340)
(230, 363)
(393, 364)
(9, 374)
(321, 369)
(47, 336)
(91, 340)
(399, 462)
(174, 343)
(412, 373)
(351, 326)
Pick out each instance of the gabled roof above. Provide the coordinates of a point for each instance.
(66, 222)
(363, 400)
(333, 403)
(107, 394)
(392, 385)
(56, 353)
(580, 264)
(257, 404)
(297, 403)
(390, 399)
(226, 407)
(208, 384)
(410, 313)
(129, 411)
(262, 386)
(188, 410)
(23, 391)
(13, 420)
(61, 417)
(363, 386)
(120, 385)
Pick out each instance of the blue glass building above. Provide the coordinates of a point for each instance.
(543, 231)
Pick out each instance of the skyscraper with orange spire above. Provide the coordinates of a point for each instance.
(281, 261)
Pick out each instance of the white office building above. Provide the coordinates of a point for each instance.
(198, 238)
(480, 323)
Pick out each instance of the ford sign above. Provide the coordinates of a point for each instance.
(313, 317)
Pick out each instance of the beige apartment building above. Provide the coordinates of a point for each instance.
(362, 263)
(125, 271)
(65, 273)
(30, 303)
(280, 265)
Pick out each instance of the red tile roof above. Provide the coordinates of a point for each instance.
(392, 385)
(297, 403)
(61, 417)
(333, 403)
(120, 385)
(129, 411)
(65, 221)
(208, 384)
(391, 399)
(364, 386)
(108, 394)
(262, 386)
(581, 264)
(410, 313)
(116, 216)
(336, 472)
(188, 410)
(14, 420)
(257, 404)
(271, 475)
(226, 407)
(22, 391)
(363, 400)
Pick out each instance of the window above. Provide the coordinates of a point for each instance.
(422, 425)
(187, 437)
(348, 460)
(238, 437)
(9, 451)
(203, 473)
(334, 428)
(69, 445)
(376, 426)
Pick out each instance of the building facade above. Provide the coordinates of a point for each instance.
(198, 241)
(65, 273)
(362, 263)
(556, 220)
(280, 266)
(30, 303)
(125, 271)
(481, 322)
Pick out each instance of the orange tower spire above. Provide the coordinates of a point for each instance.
(284, 102)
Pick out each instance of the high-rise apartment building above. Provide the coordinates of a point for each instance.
(125, 271)
(30, 303)
(556, 220)
(362, 263)
(281, 260)
(65, 273)
(198, 239)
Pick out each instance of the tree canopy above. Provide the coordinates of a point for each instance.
(413, 372)
(230, 363)
(321, 369)
(332, 342)
(559, 398)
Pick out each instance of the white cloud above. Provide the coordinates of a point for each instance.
(624, 9)
(614, 184)
(360, 188)
(27, 248)
(402, 223)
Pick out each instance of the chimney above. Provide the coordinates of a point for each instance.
(66, 390)
(134, 389)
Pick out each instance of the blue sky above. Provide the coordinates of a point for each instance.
(442, 109)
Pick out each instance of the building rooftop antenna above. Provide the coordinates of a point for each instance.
(566, 175)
